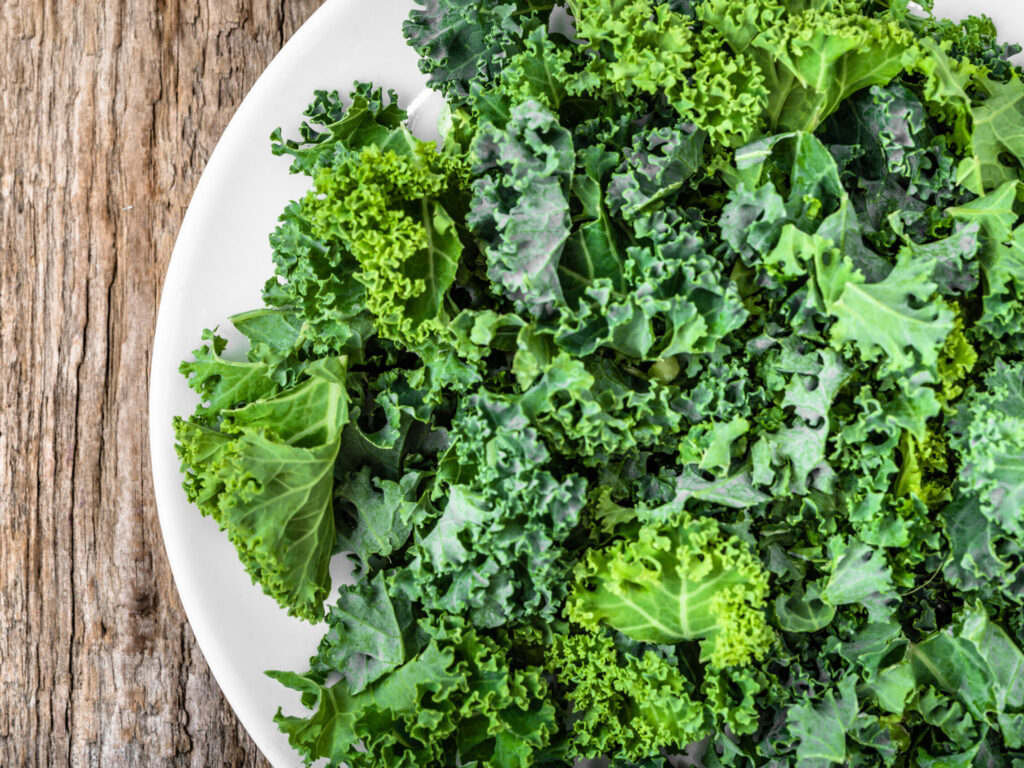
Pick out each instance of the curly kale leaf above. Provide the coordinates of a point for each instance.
(266, 476)
(692, 582)
(520, 205)
(815, 60)
(639, 47)
(592, 412)
(996, 119)
(897, 316)
(371, 119)
(1001, 258)
(975, 661)
(461, 41)
(383, 513)
(988, 435)
(984, 106)
(891, 313)
(792, 458)
(385, 210)
(459, 701)
(540, 72)
(500, 549)
(894, 164)
(278, 338)
(984, 559)
(859, 574)
(313, 280)
(373, 246)
(630, 706)
(370, 634)
(655, 168)
(975, 39)
(672, 299)
(223, 384)
(739, 23)
(820, 728)
(784, 179)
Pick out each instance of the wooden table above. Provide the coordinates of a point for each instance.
(108, 112)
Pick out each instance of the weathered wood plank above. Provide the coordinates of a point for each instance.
(108, 112)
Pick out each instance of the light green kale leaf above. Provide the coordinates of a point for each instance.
(313, 279)
(630, 706)
(687, 582)
(267, 475)
(737, 22)
(897, 317)
(277, 338)
(815, 60)
(642, 47)
(317, 261)
(385, 210)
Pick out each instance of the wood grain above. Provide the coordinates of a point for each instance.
(108, 112)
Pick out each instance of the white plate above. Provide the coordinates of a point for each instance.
(220, 262)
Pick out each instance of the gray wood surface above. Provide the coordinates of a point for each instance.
(108, 112)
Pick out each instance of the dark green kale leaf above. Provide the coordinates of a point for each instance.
(371, 119)
(500, 549)
(520, 207)
(370, 634)
(460, 699)
(383, 513)
(983, 558)
(460, 41)
(988, 434)
(673, 297)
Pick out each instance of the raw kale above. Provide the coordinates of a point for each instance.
(674, 401)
